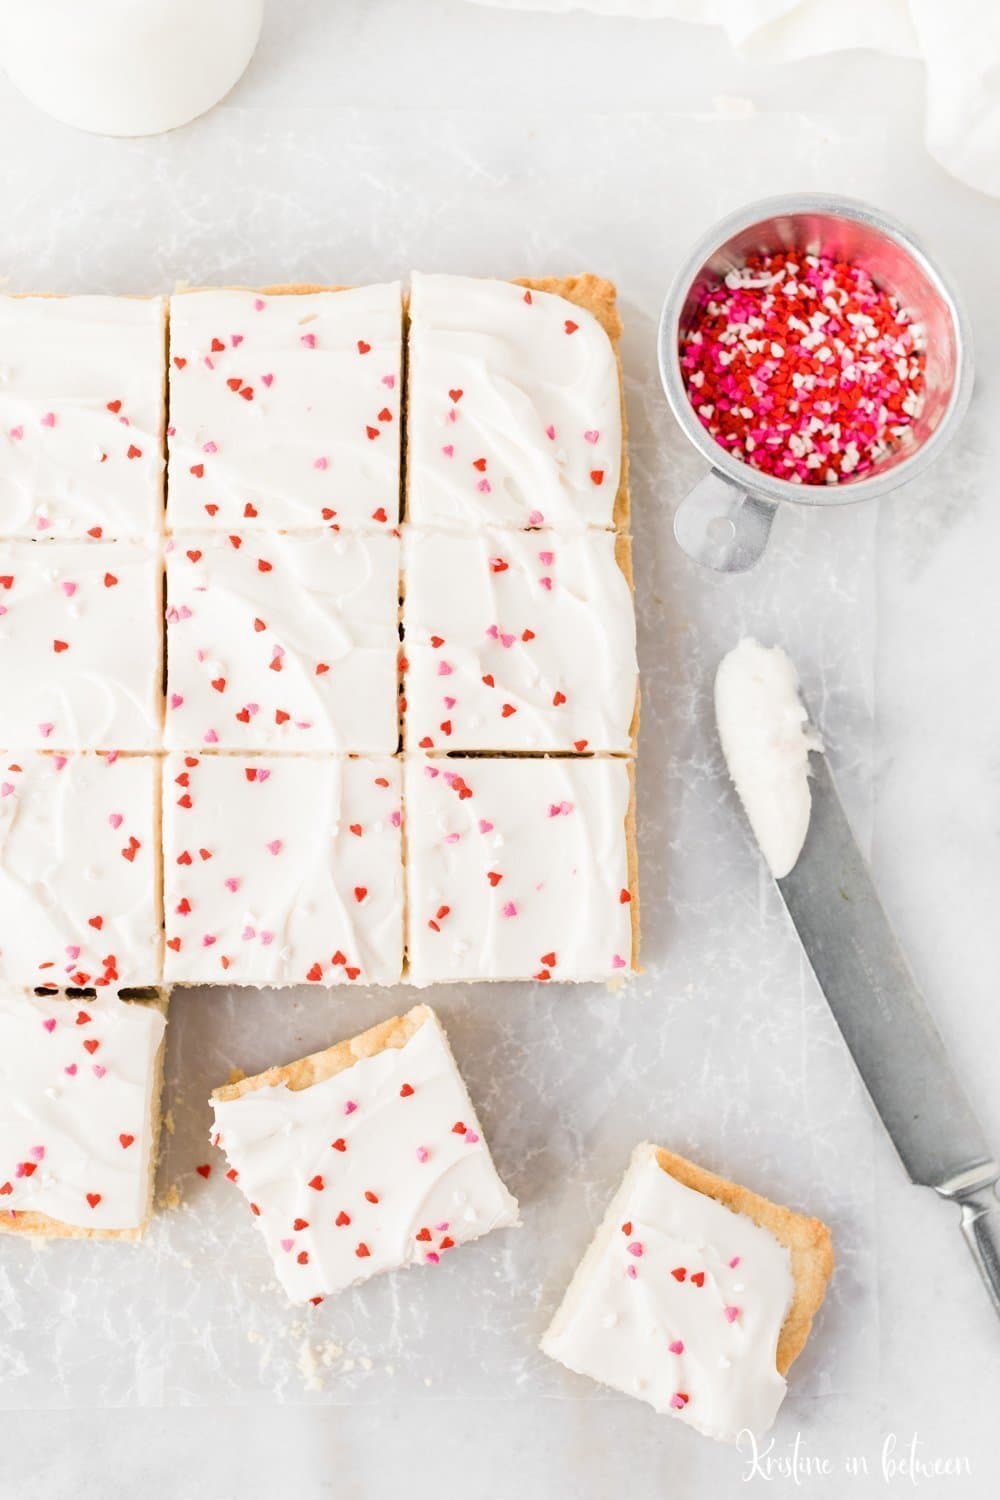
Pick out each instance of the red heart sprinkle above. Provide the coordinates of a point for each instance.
(204, 1170)
(93, 1199)
(342, 1219)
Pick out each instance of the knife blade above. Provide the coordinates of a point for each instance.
(863, 972)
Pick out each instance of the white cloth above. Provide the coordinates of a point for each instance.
(958, 43)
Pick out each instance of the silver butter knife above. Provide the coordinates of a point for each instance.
(884, 1020)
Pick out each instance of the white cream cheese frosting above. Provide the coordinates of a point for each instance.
(282, 870)
(518, 641)
(81, 416)
(766, 738)
(380, 1166)
(286, 641)
(284, 409)
(79, 877)
(517, 869)
(514, 414)
(77, 1107)
(80, 645)
(679, 1301)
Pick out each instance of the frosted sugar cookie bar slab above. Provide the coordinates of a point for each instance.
(287, 641)
(81, 645)
(80, 1081)
(514, 404)
(364, 1158)
(695, 1295)
(81, 416)
(79, 869)
(282, 870)
(284, 408)
(519, 868)
(519, 641)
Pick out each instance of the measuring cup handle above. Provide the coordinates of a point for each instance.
(723, 526)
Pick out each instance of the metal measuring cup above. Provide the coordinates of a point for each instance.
(725, 521)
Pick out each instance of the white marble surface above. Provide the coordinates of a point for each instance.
(339, 158)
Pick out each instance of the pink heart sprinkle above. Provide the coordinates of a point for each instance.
(546, 583)
(232, 884)
(734, 1262)
(509, 909)
(321, 463)
(677, 1402)
(286, 1244)
(389, 380)
(210, 737)
(49, 1023)
(6, 787)
(98, 1071)
(176, 700)
(263, 775)
(422, 1153)
(349, 1106)
(448, 450)
(236, 339)
(634, 1248)
(43, 523)
(395, 819)
(449, 703)
(591, 436)
(546, 559)
(207, 940)
(267, 380)
(248, 934)
(73, 951)
(506, 640)
(267, 938)
(631, 1272)
(443, 1227)
(49, 419)
(535, 518)
(308, 340)
(484, 487)
(617, 962)
(432, 1258)
(70, 1069)
(677, 1347)
(17, 433)
(274, 847)
(209, 448)
(550, 432)
(485, 827)
(37, 1153)
(259, 304)
(59, 761)
(69, 589)
(471, 1138)
(444, 670)
(731, 1314)
(493, 631)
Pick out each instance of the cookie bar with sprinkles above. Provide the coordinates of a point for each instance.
(82, 416)
(283, 641)
(367, 1157)
(514, 409)
(520, 868)
(81, 645)
(695, 1295)
(80, 1075)
(284, 408)
(282, 870)
(79, 869)
(519, 641)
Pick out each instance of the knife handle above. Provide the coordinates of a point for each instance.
(981, 1226)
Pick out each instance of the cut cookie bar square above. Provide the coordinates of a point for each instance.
(80, 1076)
(79, 869)
(695, 1295)
(283, 640)
(282, 870)
(364, 1158)
(81, 645)
(518, 869)
(81, 416)
(514, 404)
(519, 641)
(284, 408)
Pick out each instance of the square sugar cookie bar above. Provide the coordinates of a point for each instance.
(364, 1158)
(283, 640)
(284, 408)
(81, 645)
(519, 641)
(519, 869)
(80, 1076)
(81, 416)
(514, 404)
(282, 870)
(79, 869)
(695, 1295)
